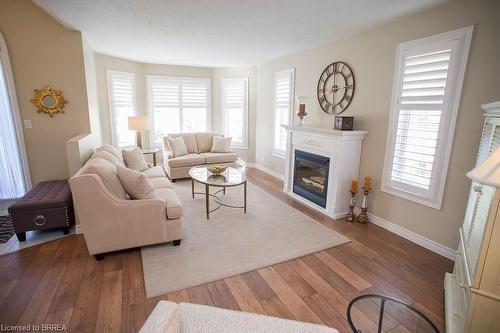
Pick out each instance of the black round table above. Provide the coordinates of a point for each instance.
(386, 313)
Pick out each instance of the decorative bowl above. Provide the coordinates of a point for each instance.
(217, 169)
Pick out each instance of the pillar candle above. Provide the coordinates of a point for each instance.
(302, 108)
(368, 182)
(354, 186)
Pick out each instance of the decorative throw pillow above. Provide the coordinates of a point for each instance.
(177, 146)
(221, 144)
(134, 159)
(135, 183)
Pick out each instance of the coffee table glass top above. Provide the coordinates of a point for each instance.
(230, 177)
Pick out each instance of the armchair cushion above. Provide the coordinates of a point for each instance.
(174, 206)
(135, 183)
(221, 144)
(186, 160)
(154, 172)
(212, 158)
(110, 157)
(107, 172)
(160, 182)
(189, 141)
(113, 150)
(204, 141)
(134, 159)
(177, 146)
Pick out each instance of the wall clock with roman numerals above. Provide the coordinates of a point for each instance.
(336, 88)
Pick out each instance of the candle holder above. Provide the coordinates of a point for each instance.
(350, 214)
(301, 115)
(363, 216)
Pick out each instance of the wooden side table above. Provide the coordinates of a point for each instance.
(151, 151)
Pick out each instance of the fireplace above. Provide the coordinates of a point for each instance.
(311, 176)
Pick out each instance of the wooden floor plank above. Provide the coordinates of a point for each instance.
(222, 296)
(200, 295)
(243, 295)
(179, 296)
(109, 317)
(292, 301)
(343, 271)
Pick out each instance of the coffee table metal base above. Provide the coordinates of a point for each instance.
(217, 197)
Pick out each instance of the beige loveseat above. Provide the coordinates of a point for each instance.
(198, 146)
(110, 220)
(169, 317)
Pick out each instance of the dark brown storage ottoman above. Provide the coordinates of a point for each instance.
(47, 206)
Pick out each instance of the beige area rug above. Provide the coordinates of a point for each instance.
(231, 242)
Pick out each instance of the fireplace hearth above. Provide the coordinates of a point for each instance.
(311, 177)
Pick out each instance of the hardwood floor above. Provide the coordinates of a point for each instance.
(58, 282)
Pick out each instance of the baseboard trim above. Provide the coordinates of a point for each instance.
(411, 236)
(78, 229)
(266, 170)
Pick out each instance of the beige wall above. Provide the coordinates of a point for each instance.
(372, 56)
(247, 155)
(43, 52)
(104, 62)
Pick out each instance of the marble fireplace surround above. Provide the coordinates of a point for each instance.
(344, 150)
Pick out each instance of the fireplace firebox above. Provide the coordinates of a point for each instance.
(311, 176)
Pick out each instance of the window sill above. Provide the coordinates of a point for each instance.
(435, 204)
(239, 147)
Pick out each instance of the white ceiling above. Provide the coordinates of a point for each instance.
(220, 32)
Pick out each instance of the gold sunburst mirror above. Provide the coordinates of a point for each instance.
(49, 101)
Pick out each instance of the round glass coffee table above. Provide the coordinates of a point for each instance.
(229, 178)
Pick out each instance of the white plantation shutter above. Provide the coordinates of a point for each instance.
(283, 105)
(420, 108)
(177, 105)
(121, 93)
(428, 80)
(234, 96)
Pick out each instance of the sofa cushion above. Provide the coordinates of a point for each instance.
(186, 160)
(160, 182)
(177, 146)
(204, 141)
(174, 206)
(111, 149)
(154, 172)
(107, 172)
(108, 157)
(135, 183)
(189, 140)
(212, 158)
(221, 144)
(134, 159)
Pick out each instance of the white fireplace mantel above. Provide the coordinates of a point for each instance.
(344, 150)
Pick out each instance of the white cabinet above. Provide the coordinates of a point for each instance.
(472, 291)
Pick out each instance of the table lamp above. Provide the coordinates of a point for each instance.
(488, 172)
(138, 124)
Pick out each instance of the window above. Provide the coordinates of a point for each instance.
(121, 94)
(14, 172)
(427, 84)
(234, 95)
(283, 106)
(177, 105)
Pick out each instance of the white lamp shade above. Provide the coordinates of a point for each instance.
(488, 172)
(138, 123)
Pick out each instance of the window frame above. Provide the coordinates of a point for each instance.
(459, 40)
(278, 152)
(111, 107)
(149, 80)
(244, 144)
